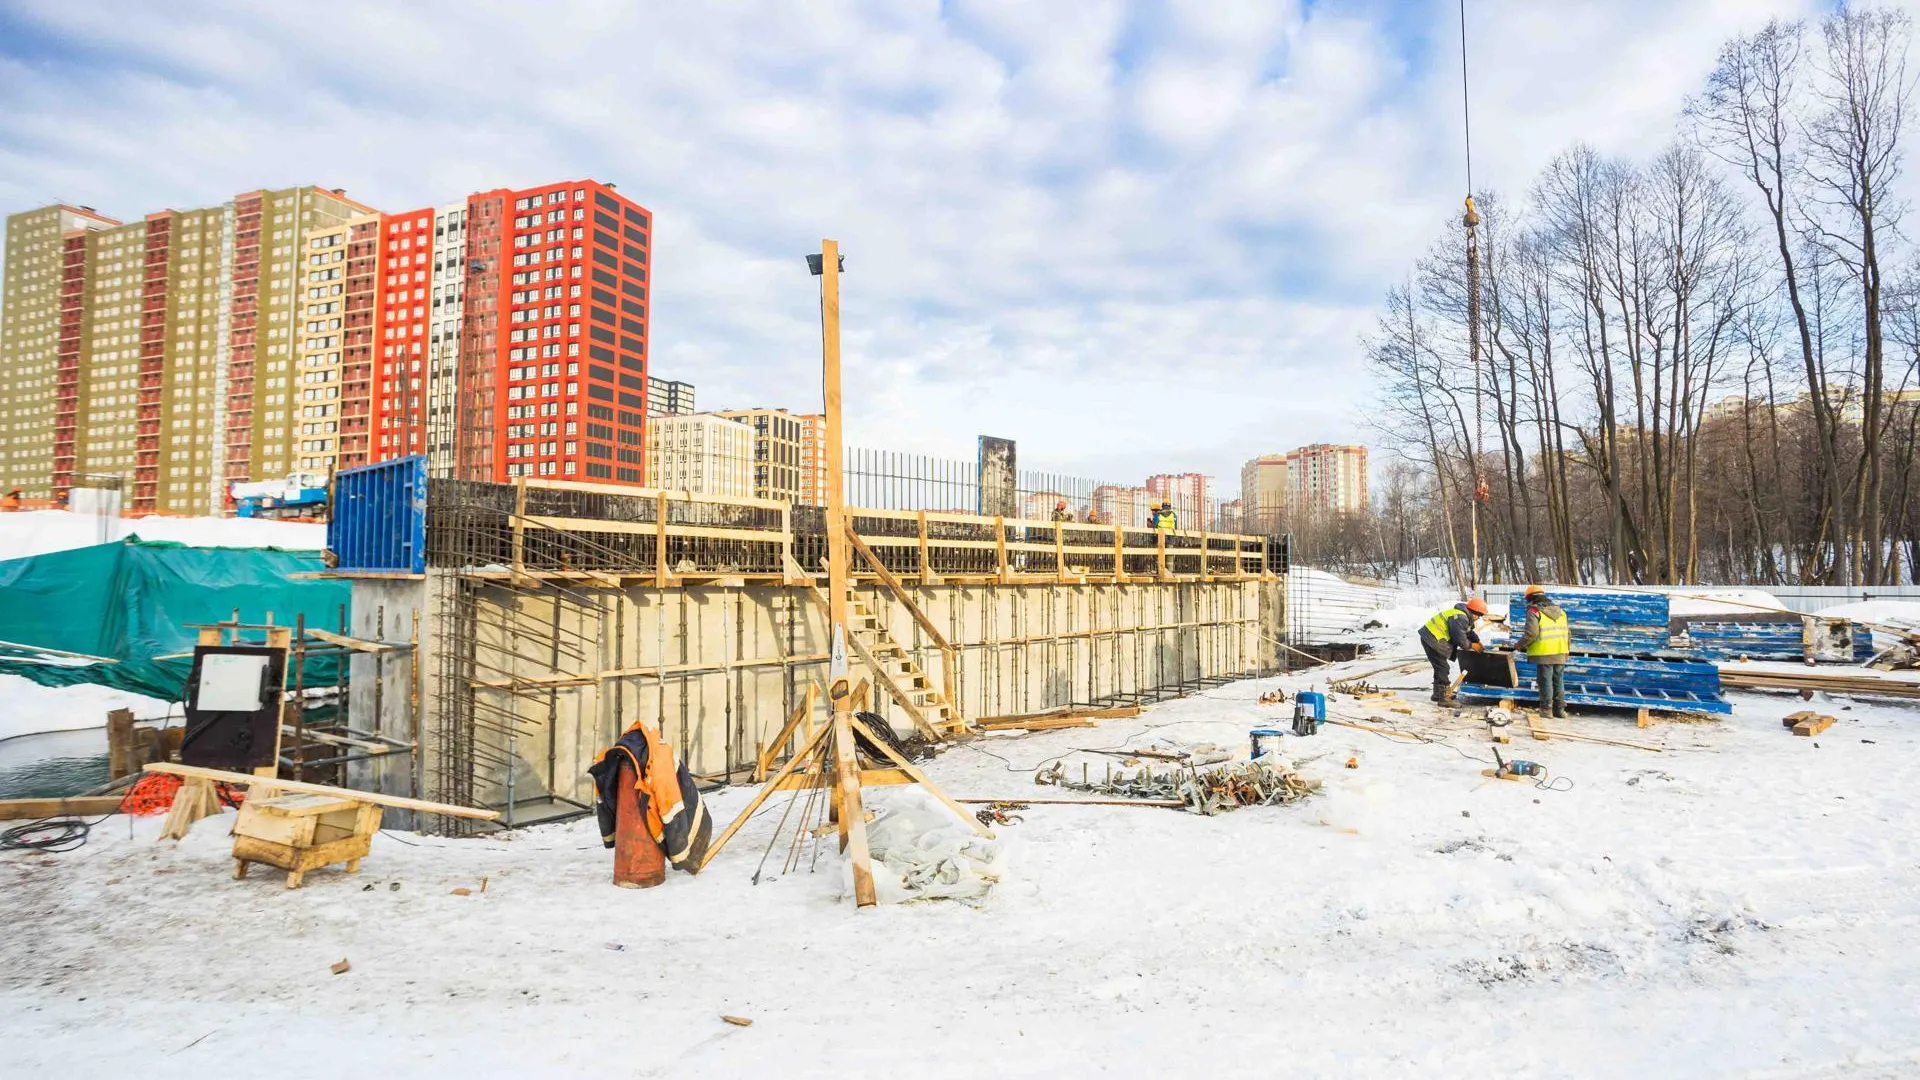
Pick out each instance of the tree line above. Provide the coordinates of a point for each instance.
(1702, 367)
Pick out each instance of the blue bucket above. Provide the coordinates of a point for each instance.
(1314, 700)
(1266, 741)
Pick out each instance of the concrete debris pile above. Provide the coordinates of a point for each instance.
(1199, 790)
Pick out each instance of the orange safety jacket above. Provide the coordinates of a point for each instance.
(668, 799)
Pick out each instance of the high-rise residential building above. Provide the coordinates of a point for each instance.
(1324, 478)
(813, 459)
(1187, 492)
(1265, 494)
(40, 325)
(705, 453)
(175, 354)
(1117, 505)
(553, 358)
(668, 397)
(296, 329)
(779, 450)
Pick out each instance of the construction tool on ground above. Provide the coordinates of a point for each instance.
(1515, 769)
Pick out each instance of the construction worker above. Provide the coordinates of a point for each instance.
(1546, 642)
(1162, 517)
(1060, 511)
(1445, 636)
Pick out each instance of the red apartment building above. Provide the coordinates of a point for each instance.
(504, 337)
(553, 356)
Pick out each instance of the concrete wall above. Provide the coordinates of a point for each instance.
(719, 669)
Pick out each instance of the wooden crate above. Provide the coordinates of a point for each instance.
(303, 832)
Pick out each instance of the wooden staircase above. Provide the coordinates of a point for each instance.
(900, 675)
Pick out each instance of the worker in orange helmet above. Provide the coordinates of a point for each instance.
(1060, 511)
(1445, 636)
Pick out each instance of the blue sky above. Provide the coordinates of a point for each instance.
(1133, 237)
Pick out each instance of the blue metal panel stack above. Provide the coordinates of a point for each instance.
(1737, 640)
(379, 520)
(1615, 624)
(1622, 658)
(1753, 640)
(1620, 683)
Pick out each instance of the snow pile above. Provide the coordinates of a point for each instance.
(922, 852)
(37, 532)
(1904, 614)
(26, 707)
(1730, 603)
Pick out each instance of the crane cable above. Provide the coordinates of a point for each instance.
(1471, 221)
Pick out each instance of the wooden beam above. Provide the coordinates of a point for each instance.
(894, 689)
(801, 755)
(398, 802)
(853, 818)
(912, 770)
(772, 749)
(898, 590)
(80, 806)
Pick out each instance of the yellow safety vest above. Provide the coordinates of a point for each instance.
(1162, 520)
(1437, 626)
(1555, 639)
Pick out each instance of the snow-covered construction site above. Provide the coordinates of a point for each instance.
(1117, 812)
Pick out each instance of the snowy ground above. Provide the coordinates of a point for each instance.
(1743, 904)
(36, 532)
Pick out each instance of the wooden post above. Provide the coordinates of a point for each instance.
(1119, 553)
(638, 862)
(1000, 547)
(520, 525)
(1160, 546)
(120, 744)
(1059, 552)
(660, 540)
(853, 817)
(926, 564)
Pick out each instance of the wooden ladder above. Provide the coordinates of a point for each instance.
(903, 677)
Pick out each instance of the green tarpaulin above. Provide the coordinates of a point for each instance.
(134, 600)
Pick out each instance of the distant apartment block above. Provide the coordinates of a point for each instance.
(787, 454)
(1186, 491)
(1264, 494)
(296, 329)
(173, 346)
(1114, 504)
(667, 397)
(1317, 479)
(705, 453)
(1324, 478)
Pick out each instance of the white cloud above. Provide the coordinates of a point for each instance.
(1134, 238)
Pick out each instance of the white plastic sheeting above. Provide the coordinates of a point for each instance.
(921, 851)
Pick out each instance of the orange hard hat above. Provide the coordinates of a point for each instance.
(1534, 590)
(1477, 605)
(1061, 505)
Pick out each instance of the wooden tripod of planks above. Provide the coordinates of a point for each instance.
(828, 756)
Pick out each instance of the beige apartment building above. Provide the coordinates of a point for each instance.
(1275, 489)
(1264, 494)
(705, 453)
(161, 351)
(42, 299)
(789, 461)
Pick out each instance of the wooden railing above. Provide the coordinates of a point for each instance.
(546, 528)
